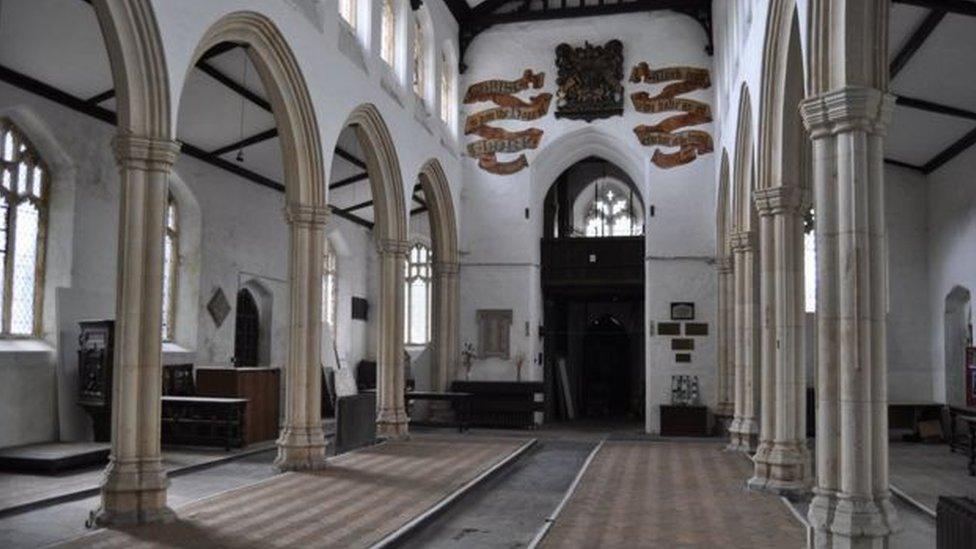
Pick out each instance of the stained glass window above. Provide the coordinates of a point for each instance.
(419, 271)
(23, 227)
(611, 213)
(447, 90)
(330, 290)
(419, 59)
(388, 33)
(171, 256)
(347, 9)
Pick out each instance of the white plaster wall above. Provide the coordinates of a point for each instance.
(501, 244)
(951, 250)
(906, 216)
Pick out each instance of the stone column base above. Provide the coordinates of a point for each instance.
(781, 469)
(301, 449)
(743, 436)
(840, 521)
(392, 424)
(134, 492)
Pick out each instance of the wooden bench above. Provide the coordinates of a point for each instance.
(204, 421)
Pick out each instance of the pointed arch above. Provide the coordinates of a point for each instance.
(383, 167)
(743, 165)
(781, 134)
(291, 103)
(723, 213)
(135, 52)
(443, 224)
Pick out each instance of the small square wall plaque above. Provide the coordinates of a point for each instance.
(669, 328)
(682, 357)
(218, 307)
(682, 344)
(696, 329)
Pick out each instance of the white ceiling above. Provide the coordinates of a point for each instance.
(941, 72)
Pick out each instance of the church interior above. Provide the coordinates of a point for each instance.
(488, 273)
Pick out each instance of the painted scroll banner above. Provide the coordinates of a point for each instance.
(691, 143)
(509, 108)
(483, 91)
(497, 141)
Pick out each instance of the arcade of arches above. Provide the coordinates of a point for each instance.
(311, 272)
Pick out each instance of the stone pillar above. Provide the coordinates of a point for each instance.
(781, 461)
(726, 352)
(134, 485)
(851, 505)
(744, 430)
(391, 415)
(301, 445)
(445, 328)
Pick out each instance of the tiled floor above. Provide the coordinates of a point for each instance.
(671, 495)
(362, 497)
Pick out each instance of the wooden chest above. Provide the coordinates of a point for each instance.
(260, 386)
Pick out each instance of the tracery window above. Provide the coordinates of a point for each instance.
(612, 214)
(347, 9)
(419, 59)
(447, 90)
(419, 270)
(171, 259)
(24, 182)
(330, 290)
(388, 33)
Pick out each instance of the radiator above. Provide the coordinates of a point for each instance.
(955, 523)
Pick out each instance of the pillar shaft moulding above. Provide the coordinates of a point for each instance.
(726, 326)
(445, 334)
(781, 461)
(134, 486)
(391, 415)
(851, 505)
(301, 445)
(744, 430)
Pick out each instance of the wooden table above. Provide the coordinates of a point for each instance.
(970, 422)
(205, 421)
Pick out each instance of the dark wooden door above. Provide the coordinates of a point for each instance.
(247, 330)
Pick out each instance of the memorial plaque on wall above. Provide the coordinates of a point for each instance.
(590, 81)
(669, 328)
(696, 329)
(682, 358)
(683, 311)
(682, 344)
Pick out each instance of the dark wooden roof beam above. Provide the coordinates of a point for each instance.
(246, 142)
(349, 181)
(915, 41)
(959, 7)
(950, 152)
(924, 105)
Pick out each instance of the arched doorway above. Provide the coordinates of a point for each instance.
(958, 334)
(592, 253)
(247, 330)
(607, 372)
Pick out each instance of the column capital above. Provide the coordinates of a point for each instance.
(742, 241)
(307, 215)
(724, 265)
(780, 200)
(446, 268)
(145, 153)
(392, 246)
(848, 109)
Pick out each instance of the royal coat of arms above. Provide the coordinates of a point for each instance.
(590, 81)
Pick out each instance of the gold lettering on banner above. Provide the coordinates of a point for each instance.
(691, 143)
(482, 91)
(496, 141)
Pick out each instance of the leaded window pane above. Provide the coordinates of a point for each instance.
(388, 33)
(25, 267)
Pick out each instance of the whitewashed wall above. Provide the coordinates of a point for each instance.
(500, 265)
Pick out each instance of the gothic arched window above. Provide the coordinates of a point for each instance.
(388, 33)
(347, 9)
(419, 58)
(447, 90)
(330, 290)
(611, 213)
(419, 271)
(23, 230)
(171, 260)
(810, 261)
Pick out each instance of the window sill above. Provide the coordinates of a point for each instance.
(12, 345)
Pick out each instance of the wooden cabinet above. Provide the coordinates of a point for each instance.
(685, 421)
(260, 386)
(95, 355)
